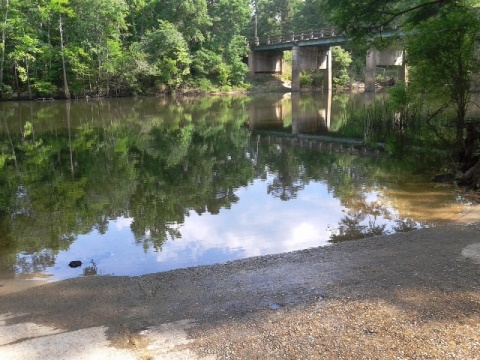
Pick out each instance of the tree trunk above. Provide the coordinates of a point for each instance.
(4, 41)
(64, 67)
(17, 86)
(29, 88)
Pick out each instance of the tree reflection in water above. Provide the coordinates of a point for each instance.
(69, 169)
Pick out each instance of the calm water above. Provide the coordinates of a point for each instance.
(135, 186)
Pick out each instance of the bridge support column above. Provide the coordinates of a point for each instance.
(370, 71)
(296, 69)
(311, 58)
(251, 63)
(403, 74)
(328, 82)
(389, 57)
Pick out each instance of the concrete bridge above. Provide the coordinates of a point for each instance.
(311, 50)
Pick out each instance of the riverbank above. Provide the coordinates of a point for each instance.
(408, 295)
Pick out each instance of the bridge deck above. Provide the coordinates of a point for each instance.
(321, 37)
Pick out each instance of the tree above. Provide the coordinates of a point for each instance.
(190, 18)
(311, 14)
(25, 49)
(166, 56)
(5, 12)
(442, 53)
(59, 10)
(340, 64)
(275, 17)
(229, 20)
(97, 30)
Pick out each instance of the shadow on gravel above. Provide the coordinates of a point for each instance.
(419, 277)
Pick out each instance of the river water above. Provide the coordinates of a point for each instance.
(141, 185)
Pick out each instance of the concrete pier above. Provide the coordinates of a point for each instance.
(389, 57)
(311, 58)
(265, 62)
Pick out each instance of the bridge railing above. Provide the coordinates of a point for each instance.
(294, 37)
(327, 32)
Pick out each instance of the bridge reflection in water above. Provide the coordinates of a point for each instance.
(290, 115)
(315, 119)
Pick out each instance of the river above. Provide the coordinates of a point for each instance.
(141, 185)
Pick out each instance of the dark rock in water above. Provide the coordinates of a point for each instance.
(443, 178)
(75, 263)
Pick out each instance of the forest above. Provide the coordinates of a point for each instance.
(78, 48)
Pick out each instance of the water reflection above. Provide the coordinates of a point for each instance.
(291, 113)
(133, 186)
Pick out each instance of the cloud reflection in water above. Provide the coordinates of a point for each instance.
(258, 224)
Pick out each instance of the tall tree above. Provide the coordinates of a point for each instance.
(165, 55)
(5, 12)
(229, 20)
(56, 11)
(442, 51)
(276, 17)
(189, 17)
(97, 30)
(443, 55)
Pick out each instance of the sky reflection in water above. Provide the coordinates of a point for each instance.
(156, 160)
(258, 224)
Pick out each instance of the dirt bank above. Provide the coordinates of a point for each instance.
(409, 295)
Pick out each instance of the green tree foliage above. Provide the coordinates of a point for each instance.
(361, 18)
(165, 54)
(341, 60)
(274, 17)
(78, 48)
(229, 19)
(311, 14)
(441, 45)
(444, 59)
(442, 41)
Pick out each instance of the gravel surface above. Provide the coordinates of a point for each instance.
(412, 295)
(411, 324)
(432, 314)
